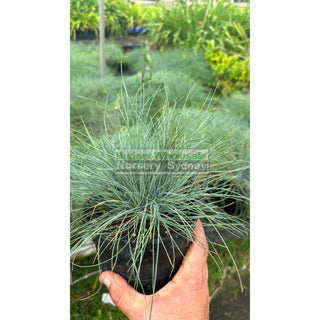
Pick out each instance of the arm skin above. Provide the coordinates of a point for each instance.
(185, 297)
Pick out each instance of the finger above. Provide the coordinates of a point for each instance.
(194, 265)
(122, 294)
(198, 250)
(200, 236)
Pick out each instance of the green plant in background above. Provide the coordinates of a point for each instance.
(193, 24)
(231, 72)
(222, 31)
(183, 60)
(93, 98)
(219, 32)
(189, 24)
(145, 73)
(241, 251)
(122, 62)
(119, 15)
(84, 61)
(115, 57)
(227, 27)
(178, 87)
(173, 26)
(96, 101)
(116, 17)
(84, 15)
(232, 122)
(137, 14)
(184, 73)
(237, 106)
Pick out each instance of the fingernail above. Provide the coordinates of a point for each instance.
(106, 281)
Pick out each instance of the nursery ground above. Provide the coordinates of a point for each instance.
(230, 303)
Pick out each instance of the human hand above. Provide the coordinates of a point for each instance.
(185, 297)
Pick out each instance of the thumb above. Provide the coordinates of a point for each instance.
(122, 294)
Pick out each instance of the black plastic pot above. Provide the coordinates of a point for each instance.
(215, 235)
(164, 272)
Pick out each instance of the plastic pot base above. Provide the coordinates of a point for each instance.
(165, 270)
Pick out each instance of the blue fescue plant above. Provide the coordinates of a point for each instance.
(153, 179)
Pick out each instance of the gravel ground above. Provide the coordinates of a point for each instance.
(230, 303)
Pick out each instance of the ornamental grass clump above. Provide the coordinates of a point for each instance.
(150, 181)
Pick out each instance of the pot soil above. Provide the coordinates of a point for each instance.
(165, 271)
